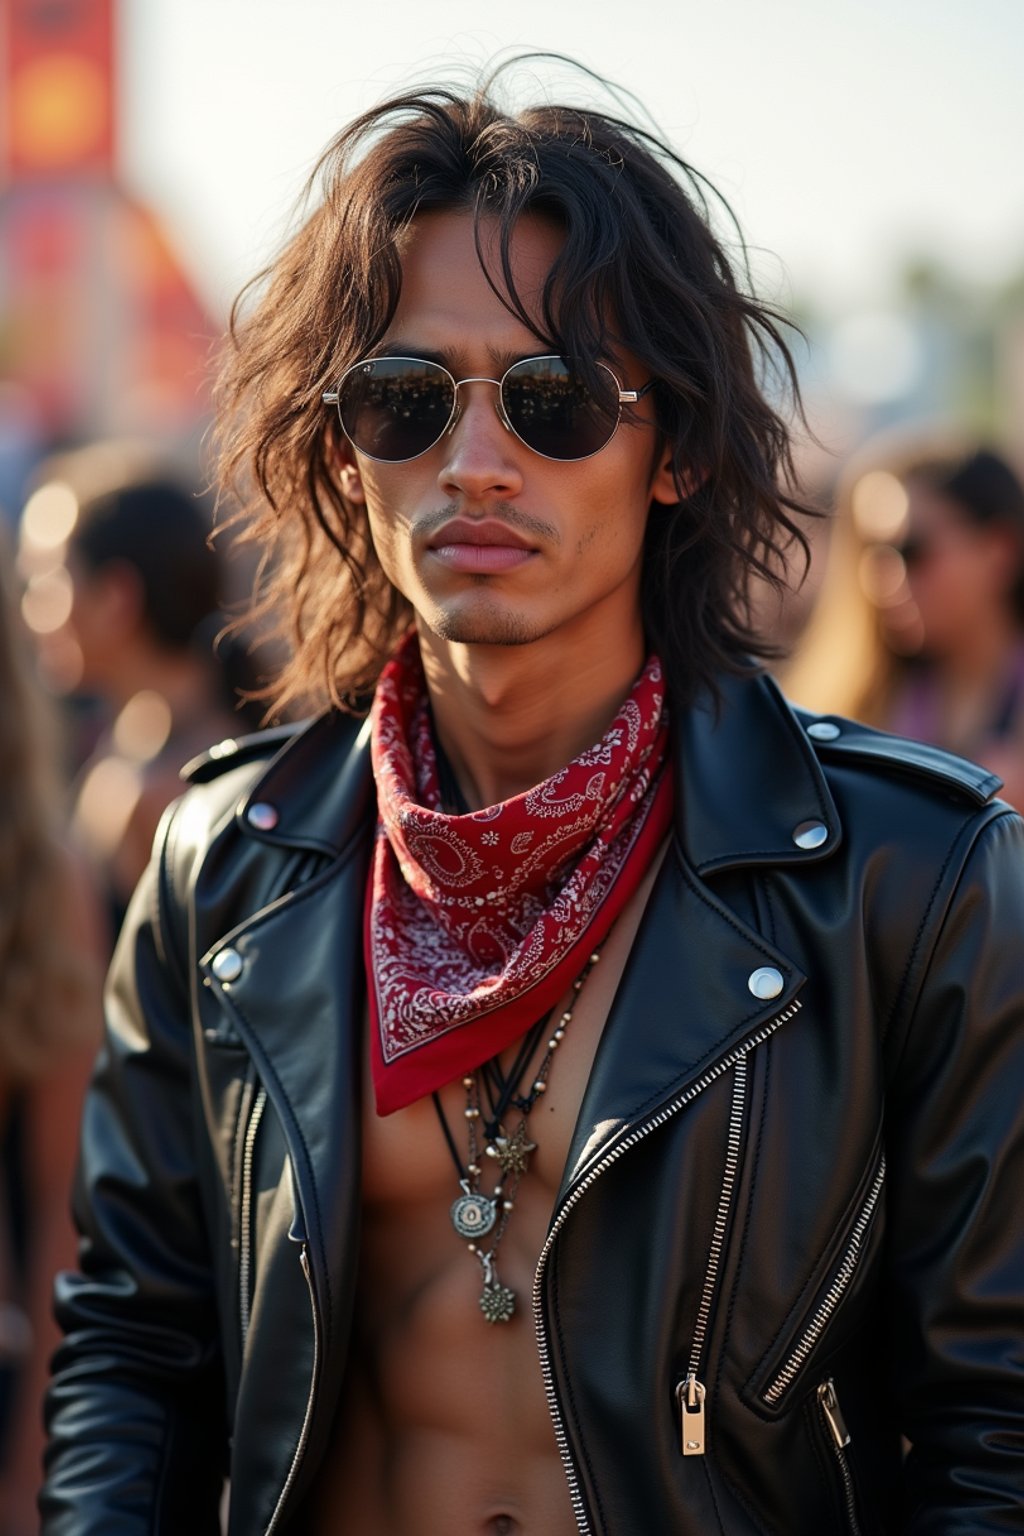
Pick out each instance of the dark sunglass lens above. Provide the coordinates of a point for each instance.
(554, 411)
(395, 407)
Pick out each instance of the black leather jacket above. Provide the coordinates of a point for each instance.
(774, 1204)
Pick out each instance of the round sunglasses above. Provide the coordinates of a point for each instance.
(395, 408)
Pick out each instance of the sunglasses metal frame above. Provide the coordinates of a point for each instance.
(624, 397)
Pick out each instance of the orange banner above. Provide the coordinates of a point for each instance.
(56, 88)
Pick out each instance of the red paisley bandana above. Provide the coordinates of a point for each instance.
(477, 924)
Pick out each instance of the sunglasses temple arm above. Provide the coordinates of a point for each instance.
(631, 396)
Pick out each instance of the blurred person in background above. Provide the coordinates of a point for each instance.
(919, 623)
(51, 946)
(962, 548)
(145, 589)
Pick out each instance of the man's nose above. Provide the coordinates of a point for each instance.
(481, 455)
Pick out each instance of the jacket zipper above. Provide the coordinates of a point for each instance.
(629, 1141)
(245, 1217)
(839, 1438)
(690, 1393)
(245, 1297)
(307, 1419)
(833, 1296)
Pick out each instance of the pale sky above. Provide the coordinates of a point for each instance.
(846, 133)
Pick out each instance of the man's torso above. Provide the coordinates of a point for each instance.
(444, 1428)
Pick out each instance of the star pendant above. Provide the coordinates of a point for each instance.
(513, 1151)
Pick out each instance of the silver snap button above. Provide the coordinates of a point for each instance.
(766, 982)
(810, 834)
(824, 730)
(227, 965)
(262, 816)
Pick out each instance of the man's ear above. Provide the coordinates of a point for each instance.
(349, 478)
(663, 484)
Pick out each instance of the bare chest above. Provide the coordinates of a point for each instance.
(439, 1396)
(458, 1189)
(423, 1154)
(510, 1157)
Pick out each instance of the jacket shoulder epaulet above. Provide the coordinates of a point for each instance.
(839, 740)
(236, 751)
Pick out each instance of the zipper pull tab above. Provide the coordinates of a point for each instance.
(829, 1404)
(690, 1397)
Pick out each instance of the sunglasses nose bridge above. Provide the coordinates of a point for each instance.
(458, 407)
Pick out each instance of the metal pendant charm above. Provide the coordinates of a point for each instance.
(473, 1216)
(497, 1303)
(513, 1152)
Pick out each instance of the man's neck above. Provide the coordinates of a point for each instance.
(508, 717)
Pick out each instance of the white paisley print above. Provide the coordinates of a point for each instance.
(469, 916)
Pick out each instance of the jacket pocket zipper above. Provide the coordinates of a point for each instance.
(631, 1139)
(245, 1233)
(839, 1439)
(845, 1272)
(690, 1392)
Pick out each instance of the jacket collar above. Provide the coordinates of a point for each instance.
(749, 788)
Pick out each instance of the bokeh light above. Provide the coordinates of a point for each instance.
(49, 517)
(879, 507)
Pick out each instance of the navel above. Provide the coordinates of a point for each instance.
(503, 1525)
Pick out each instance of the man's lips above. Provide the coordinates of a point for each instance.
(486, 530)
(480, 547)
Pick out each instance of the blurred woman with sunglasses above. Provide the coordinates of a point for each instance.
(924, 595)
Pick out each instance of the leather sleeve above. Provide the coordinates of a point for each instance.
(955, 1135)
(136, 1407)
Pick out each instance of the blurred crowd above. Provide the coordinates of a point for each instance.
(117, 666)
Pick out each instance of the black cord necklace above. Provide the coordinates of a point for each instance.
(475, 1214)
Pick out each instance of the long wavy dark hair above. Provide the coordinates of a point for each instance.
(641, 268)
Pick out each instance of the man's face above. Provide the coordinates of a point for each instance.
(539, 546)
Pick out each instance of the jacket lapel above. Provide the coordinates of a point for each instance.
(747, 782)
(298, 1005)
(297, 1000)
(684, 1003)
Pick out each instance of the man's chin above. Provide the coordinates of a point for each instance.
(484, 626)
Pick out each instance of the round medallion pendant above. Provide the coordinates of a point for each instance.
(473, 1215)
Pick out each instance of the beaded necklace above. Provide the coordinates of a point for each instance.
(476, 1215)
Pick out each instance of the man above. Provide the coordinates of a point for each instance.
(145, 589)
(584, 1095)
